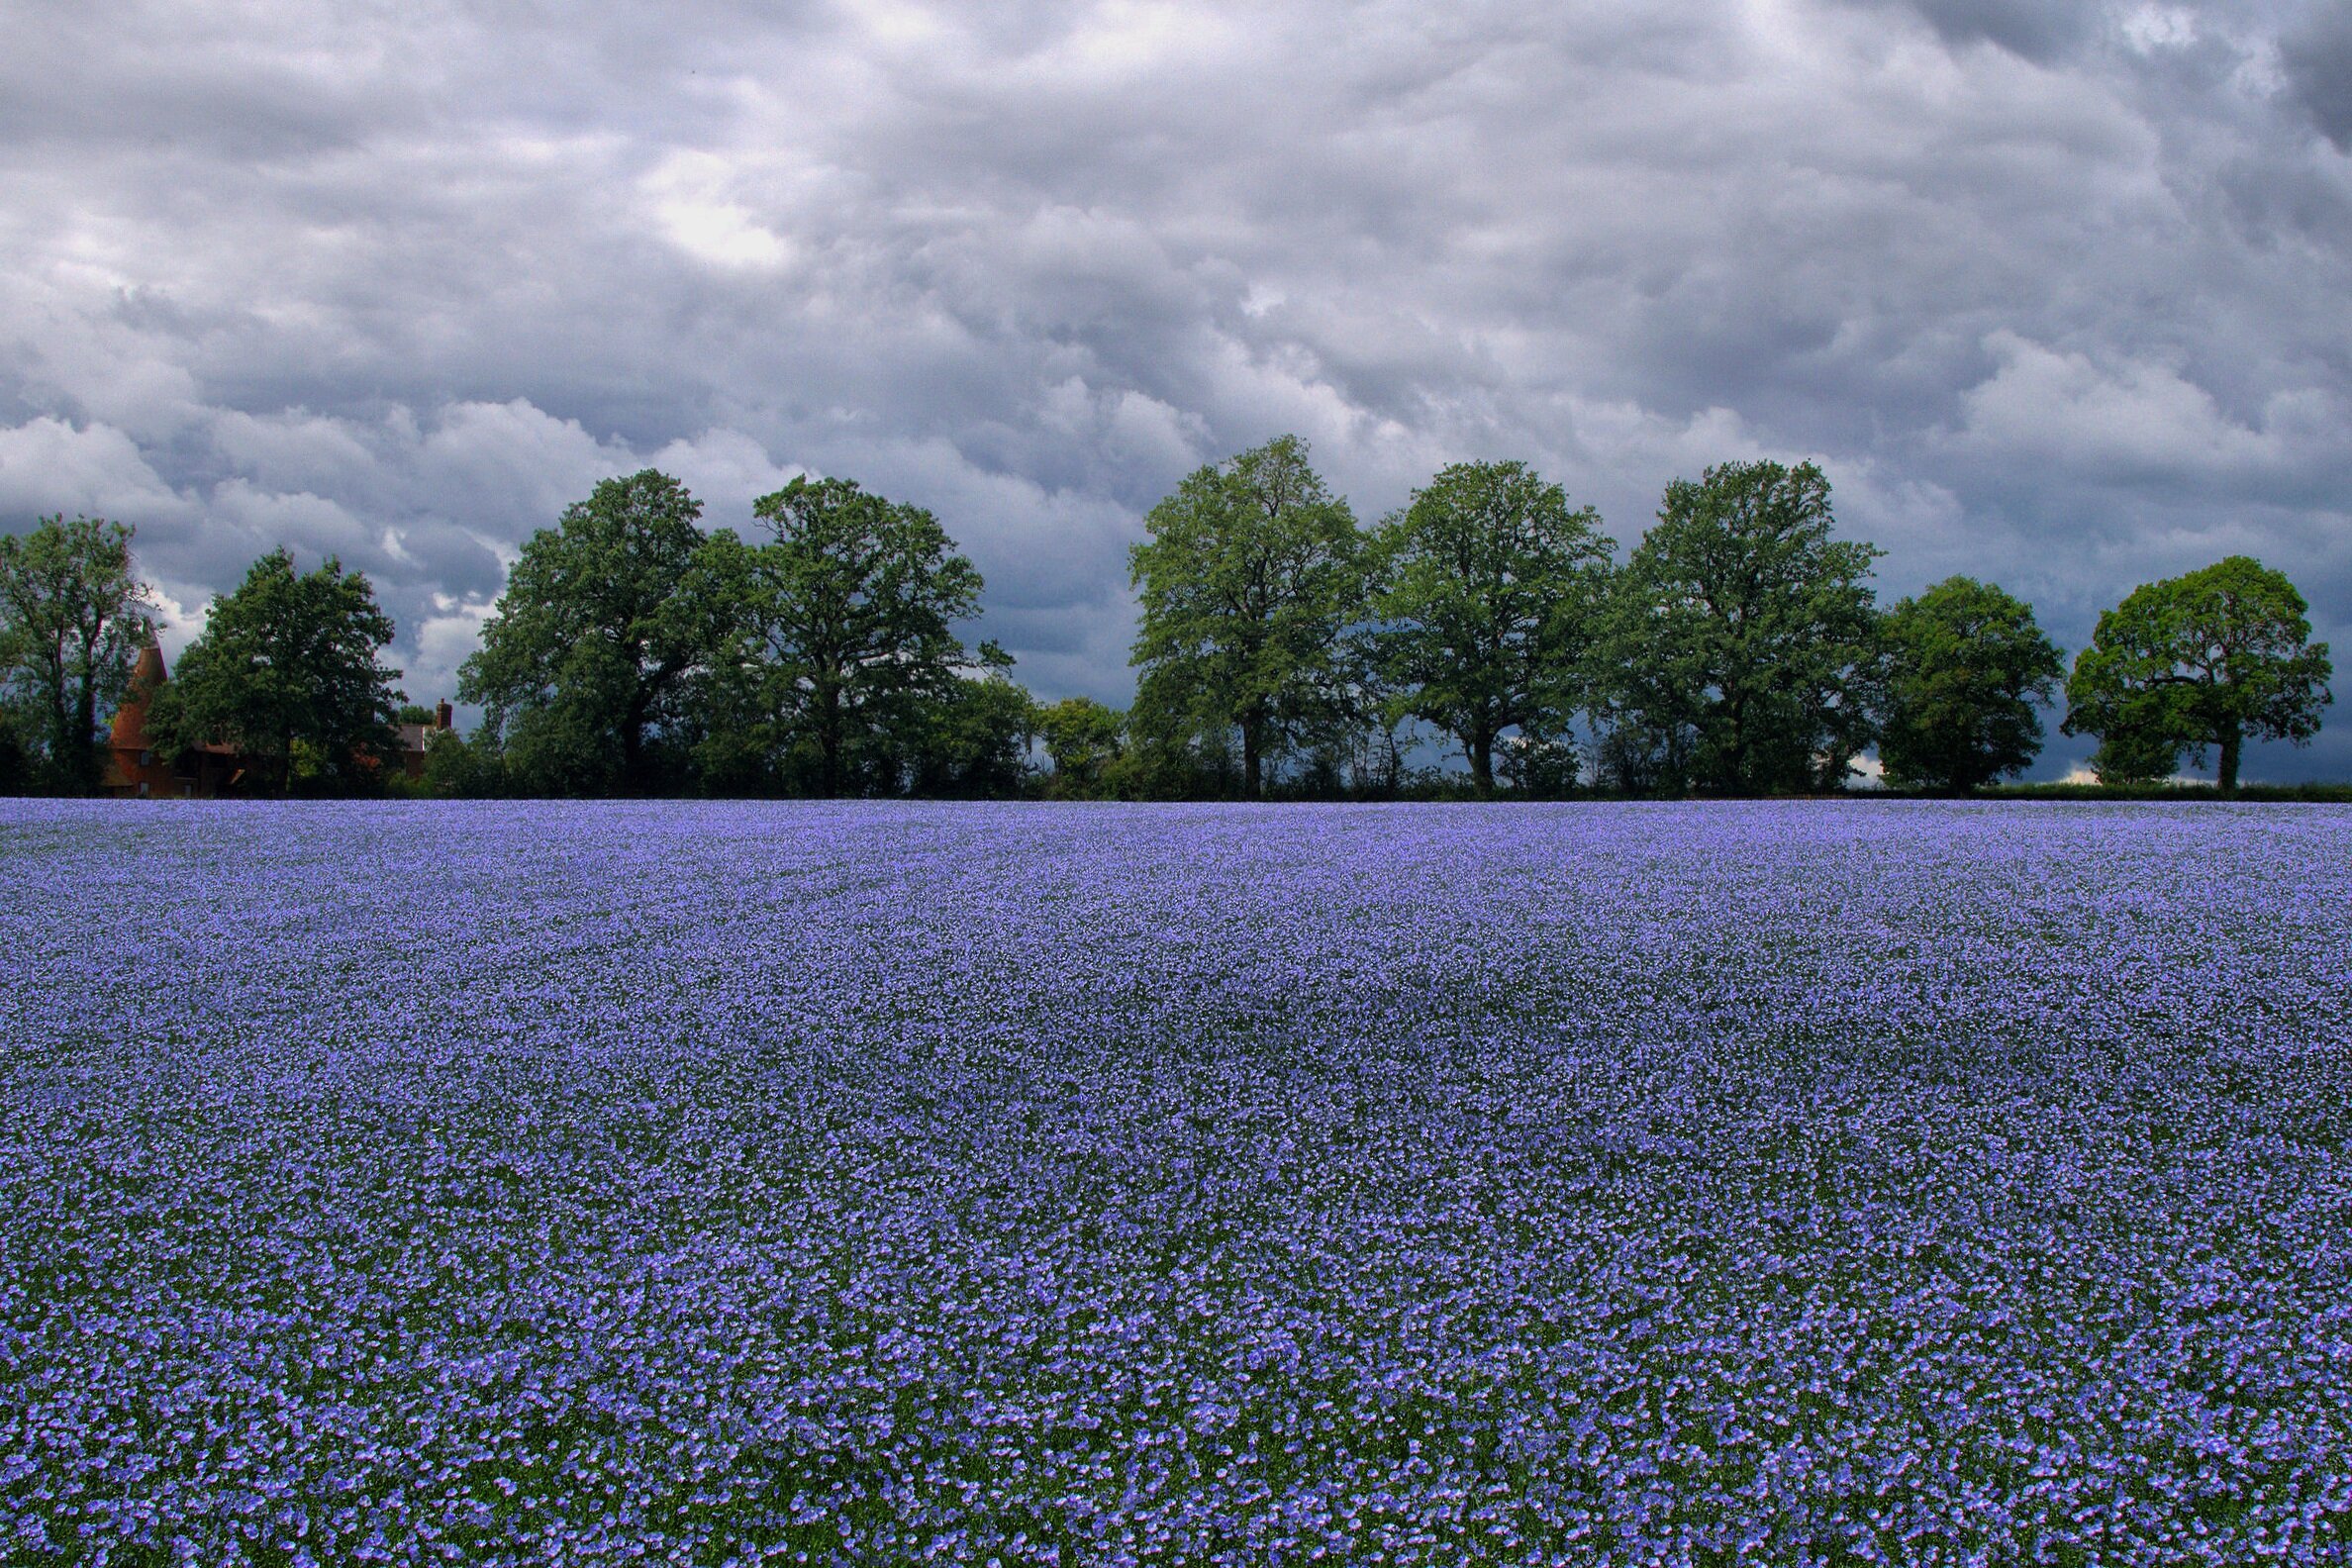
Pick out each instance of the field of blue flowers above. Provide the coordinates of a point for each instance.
(1775, 1183)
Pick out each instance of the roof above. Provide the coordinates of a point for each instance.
(130, 720)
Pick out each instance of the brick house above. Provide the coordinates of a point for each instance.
(135, 770)
(416, 739)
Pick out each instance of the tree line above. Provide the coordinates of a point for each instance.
(1282, 648)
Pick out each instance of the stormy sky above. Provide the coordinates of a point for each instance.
(2057, 293)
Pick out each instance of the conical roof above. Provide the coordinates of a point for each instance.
(130, 720)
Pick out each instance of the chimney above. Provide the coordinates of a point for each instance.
(440, 714)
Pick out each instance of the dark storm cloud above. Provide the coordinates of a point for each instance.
(2319, 60)
(2035, 29)
(2053, 291)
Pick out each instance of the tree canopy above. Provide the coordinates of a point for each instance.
(833, 641)
(1279, 648)
(2204, 660)
(1490, 591)
(1082, 738)
(73, 617)
(1736, 638)
(1963, 670)
(285, 670)
(584, 660)
(1252, 575)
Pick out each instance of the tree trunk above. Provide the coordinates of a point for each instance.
(1480, 748)
(633, 747)
(1250, 759)
(85, 758)
(61, 730)
(828, 739)
(2232, 741)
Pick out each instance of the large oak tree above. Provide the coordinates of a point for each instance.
(1490, 590)
(836, 657)
(1963, 673)
(584, 663)
(2207, 660)
(287, 671)
(1738, 636)
(1251, 578)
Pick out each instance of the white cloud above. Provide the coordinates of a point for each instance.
(2124, 414)
(49, 465)
(692, 197)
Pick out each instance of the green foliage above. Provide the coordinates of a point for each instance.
(584, 664)
(285, 671)
(1963, 668)
(1251, 577)
(1736, 638)
(972, 741)
(72, 620)
(2209, 660)
(1490, 594)
(1157, 766)
(834, 652)
(1083, 739)
(2130, 755)
(459, 768)
(1541, 762)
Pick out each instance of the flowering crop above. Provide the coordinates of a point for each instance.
(1776, 1183)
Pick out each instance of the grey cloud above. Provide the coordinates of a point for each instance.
(2037, 29)
(2055, 291)
(2318, 58)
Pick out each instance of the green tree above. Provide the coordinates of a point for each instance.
(72, 620)
(584, 663)
(972, 743)
(837, 638)
(2131, 757)
(1736, 638)
(1963, 671)
(1250, 579)
(285, 671)
(463, 769)
(1490, 590)
(1082, 738)
(2205, 660)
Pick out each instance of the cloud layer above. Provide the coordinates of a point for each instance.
(2055, 293)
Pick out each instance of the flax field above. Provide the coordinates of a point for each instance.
(714, 1183)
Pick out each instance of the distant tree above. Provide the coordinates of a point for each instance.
(1490, 593)
(1082, 738)
(1543, 762)
(1250, 579)
(1737, 636)
(583, 663)
(2208, 659)
(838, 642)
(1642, 750)
(463, 769)
(285, 671)
(1963, 669)
(72, 620)
(1162, 762)
(972, 741)
(2129, 756)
